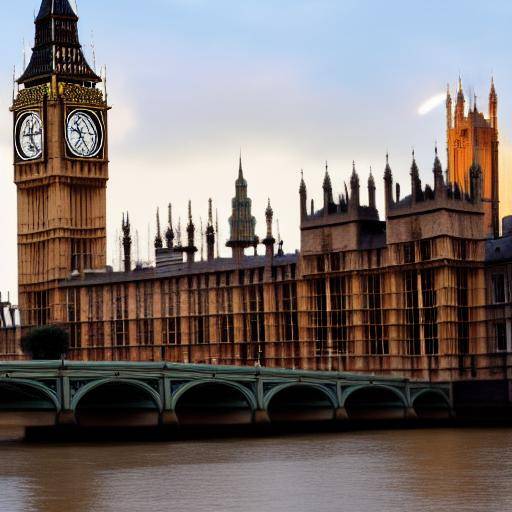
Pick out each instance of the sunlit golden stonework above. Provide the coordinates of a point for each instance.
(423, 292)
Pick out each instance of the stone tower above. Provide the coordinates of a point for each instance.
(60, 165)
(473, 140)
(241, 222)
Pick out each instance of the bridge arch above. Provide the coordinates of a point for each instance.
(431, 404)
(26, 403)
(300, 402)
(214, 402)
(374, 401)
(37, 386)
(114, 402)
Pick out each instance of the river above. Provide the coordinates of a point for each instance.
(452, 470)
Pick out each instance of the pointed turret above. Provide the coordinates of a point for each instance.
(354, 188)
(158, 238)
(449, 109)
(303, 196)
(372, 203)
(127, 243)
(190, 249)
(460, 106)
(327, 188)
(169, 234)
(493, 106)
(210, 233)
(269, 241)
(57, 50)
(416, 190)
(438, 175)
(388, 185)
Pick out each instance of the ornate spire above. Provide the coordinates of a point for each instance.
(493, 106)
(169, 234)
(354, 188)
(438, 174)
(242, 223)
(449, 111)
(302, 188)
(269, 215)
(303, 196)
(327, 187)
(57, 50)
(388, 174)
(269, 241)
(372, 203)
(191, 249)
(127, 243)
(210, 233)
(459, 108)
(158, 238)
(415, 180)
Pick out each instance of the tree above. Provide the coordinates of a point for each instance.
(46, 343)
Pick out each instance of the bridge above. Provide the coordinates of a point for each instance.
(125, 394)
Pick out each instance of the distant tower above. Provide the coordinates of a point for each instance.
(210, 234)
(60, 165)
(242, 223)
(473, 141)
(127, 243)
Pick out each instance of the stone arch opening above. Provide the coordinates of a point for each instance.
(375, 403)
(431, 405)
(117, 404)
(301, 403)
(24, 405)
(213, 403)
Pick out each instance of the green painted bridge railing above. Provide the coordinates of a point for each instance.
(96, 394)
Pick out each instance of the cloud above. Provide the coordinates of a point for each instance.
(431, 104)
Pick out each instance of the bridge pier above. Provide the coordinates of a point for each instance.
(341, 414)
(410, 414)
(66, 418)
(261, 417)
(169, 419)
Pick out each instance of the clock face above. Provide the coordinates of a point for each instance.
(29, 136)
(84, 133)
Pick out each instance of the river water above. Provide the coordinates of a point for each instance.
(442, 470)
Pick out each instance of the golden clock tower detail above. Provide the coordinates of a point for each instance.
(60, 165)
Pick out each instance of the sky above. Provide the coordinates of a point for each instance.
(289, 83)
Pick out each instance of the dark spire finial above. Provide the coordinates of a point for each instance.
(158, 238)
(169, 234)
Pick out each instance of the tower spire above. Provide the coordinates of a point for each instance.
(169, 234)
(158, 238)
(210, 233)
(57, 49)
(127, 243)
(242, 223)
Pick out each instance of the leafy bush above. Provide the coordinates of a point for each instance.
(46, 343)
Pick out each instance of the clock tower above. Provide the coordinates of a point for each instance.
(60, 165)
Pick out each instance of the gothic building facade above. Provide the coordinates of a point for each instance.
(423, 292)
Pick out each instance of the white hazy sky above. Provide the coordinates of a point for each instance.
(293, 83)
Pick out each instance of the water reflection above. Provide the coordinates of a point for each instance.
(423, 470)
